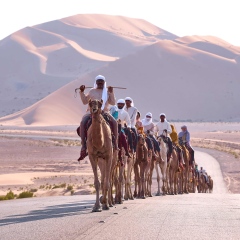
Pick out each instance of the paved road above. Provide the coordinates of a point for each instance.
(188, 216)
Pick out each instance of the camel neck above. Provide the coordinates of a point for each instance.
(97, 121)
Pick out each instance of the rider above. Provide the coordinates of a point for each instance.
(184, 137)
(161, 126)
(132, 111)
(122, 119)
(204, 173)
(174, 138)
(139, 125)
(99, 91)
(149, 127)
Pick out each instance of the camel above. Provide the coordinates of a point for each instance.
(122, 178)
(99, 146)
(184, 187)
(152, 161)
(162, 165)
(203, 184)
(140, 167)
(128, 168)
(193, 179)
(210, 184)
(173, 167)
(119, 179)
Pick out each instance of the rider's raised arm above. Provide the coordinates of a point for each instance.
(111, 98)
(84, 97)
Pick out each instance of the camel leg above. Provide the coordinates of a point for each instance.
(170, 179)
(163, 171)
(107, 169)
(186, 181)
(118, 196)
(116, 183)
(127, 183)
(121, 176)
(129, 177)
(142, 181)
(150, 178)
(113, 167)
(97, 207)
(158, 179)
(136, 178)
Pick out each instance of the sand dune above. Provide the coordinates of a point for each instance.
(170, 77)
(38, 60)
(190, 78)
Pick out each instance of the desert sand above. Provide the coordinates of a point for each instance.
(39, 158)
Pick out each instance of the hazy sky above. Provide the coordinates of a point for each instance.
(218, 18)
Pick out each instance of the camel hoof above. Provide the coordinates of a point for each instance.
(96, 209)
(150, 195)
(126, 198)
(110, 205)
(143, 197)
(105, 207)
(157, 194)
(131, 198)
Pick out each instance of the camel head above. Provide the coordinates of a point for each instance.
(160, 138)
(95, 105)
(141, 139)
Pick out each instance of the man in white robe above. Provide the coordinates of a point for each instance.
(164, 126)
(100, 92)
(132, 111)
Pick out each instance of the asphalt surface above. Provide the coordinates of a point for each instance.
(187, 216)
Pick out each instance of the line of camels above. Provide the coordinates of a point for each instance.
(117, 177)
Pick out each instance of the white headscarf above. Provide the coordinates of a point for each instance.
(163, 114)
(147, 121)
(130, 99)
(104, 92)
(120, 101)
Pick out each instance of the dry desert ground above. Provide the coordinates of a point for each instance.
(44, 159)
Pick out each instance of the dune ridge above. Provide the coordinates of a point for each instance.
(192, 78)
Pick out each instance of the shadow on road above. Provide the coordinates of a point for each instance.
(55, 211)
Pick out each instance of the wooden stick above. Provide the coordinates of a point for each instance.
(107, 87)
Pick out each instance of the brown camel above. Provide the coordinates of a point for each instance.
(203, 184)
(163, 167)
(118, 180)
(210, 184)
(128, 169)
(140, 166)
(173, 167)
(185, 181)
(193, 179)
(99, 145)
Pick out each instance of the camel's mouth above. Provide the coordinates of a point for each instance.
(94, 110)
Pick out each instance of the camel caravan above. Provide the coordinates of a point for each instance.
(126, 150)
